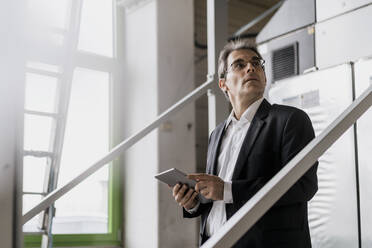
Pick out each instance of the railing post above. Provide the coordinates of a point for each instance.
(217, 36)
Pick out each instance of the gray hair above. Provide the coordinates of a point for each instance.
(225, 52)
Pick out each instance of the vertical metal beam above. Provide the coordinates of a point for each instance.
(217, 36)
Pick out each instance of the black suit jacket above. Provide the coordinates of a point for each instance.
(276, 134)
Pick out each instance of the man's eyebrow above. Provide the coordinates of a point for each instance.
(242, 60)
(237, 61)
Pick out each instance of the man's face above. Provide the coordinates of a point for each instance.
(245, 78)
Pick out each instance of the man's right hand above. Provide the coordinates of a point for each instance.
(185, 196)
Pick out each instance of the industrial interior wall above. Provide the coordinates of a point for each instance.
(158, 72)
(343, 59)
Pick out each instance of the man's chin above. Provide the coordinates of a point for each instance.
(256, 94)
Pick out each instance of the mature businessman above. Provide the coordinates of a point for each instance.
(246, 151)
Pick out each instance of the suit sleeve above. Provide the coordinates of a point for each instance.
(200, 211)
(298, 132)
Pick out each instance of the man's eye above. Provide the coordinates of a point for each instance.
(238, 66)
(255, 63)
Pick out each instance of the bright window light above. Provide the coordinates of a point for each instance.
(96, 27)
(37, 132)
(30, 201)
(49, 13)
(34, 170)
(40, 92)
(86, 140)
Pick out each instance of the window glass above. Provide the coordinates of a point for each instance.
(85, 208)
(96, 34)
(34, 170)
(50, 13)
(37, 132)
(40, 92)
(30, 201)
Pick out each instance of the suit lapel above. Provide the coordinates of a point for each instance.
(212, 167)
(251, 136)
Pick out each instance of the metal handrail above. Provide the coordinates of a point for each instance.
(117, 150)
(266, 197)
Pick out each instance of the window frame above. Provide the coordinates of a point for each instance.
(115, 192)
(112, 238)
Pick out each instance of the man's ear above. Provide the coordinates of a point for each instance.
(222, 84)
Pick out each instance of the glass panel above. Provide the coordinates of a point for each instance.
(86, 140)
(96, 34)
(53, 13)
(37, 132)
(40, 92)
(33, 174)
(30, 201)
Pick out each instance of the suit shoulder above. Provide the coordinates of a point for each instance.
(287, 111)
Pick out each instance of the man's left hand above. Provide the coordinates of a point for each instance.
(210, 186)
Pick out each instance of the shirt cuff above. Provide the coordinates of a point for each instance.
(194, 209)
(227, 192)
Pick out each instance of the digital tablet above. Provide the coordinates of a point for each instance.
(174, 176)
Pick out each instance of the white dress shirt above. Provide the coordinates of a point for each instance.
(232, 141)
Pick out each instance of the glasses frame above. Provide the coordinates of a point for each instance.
(261, 64)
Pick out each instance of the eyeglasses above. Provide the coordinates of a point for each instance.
(240, 64)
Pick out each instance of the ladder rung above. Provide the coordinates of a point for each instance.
(34, 193)
(32, 112)
(34, 233)
(43, 72)
(39, 154)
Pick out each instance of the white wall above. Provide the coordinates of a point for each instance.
(158, 72)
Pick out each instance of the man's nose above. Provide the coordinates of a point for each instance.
(250, 67)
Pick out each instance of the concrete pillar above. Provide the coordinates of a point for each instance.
(11, 124)
(218, 105)
(159, 71)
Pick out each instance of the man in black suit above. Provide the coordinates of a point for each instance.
(245, 152)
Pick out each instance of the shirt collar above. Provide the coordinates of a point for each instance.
(247, 116)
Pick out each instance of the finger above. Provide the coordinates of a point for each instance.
(201, 185)
(176, 188)
(181, 193)
(191, 202)
(198, 176)
(183, 189)
(203, 178)
(186, 197)
(204, 192)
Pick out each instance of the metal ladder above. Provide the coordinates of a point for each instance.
(59, 116)
(52, 156)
